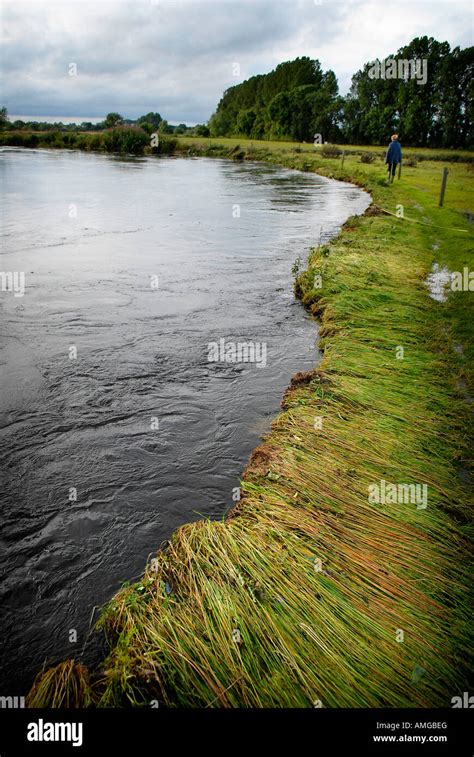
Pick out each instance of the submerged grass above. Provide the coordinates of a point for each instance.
(307, 594)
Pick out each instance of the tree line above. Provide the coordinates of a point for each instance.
(150, 123)
(424, 91)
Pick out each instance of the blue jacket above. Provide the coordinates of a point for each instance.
(394, 153)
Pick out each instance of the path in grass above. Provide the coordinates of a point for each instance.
(309, 594)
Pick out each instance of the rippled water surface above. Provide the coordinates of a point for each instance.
(92, 233)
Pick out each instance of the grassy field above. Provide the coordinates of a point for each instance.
(292, 147)
(308, 594)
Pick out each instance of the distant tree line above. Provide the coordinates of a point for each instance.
(150, 123)
(424, 91)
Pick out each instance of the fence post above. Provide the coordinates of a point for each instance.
(342, 159)
(443, 187)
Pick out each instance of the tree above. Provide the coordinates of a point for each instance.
(370, 109)
(284, 103)
(280, 115)
(151, 118)
(245, 121)
(418, 104)
(201, 130)
(112, 120)
(455, 101)
(165, 128)
(146, 126)
(433, 109)
(221, 123)
(3, 118)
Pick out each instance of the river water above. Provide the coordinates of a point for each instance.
(115, 427)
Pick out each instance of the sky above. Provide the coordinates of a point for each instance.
(83, 59)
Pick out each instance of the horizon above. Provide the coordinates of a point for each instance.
(74, 119)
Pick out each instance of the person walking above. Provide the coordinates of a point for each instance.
(393, 157)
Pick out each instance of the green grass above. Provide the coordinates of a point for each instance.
(298, 597)
(306, 147)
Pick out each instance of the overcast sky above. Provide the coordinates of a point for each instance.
(178, 56)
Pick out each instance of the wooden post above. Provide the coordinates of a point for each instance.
(443, 187)
(342, 159)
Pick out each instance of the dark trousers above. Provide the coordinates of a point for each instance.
(392, 167)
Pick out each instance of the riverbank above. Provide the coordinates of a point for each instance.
(310, 593)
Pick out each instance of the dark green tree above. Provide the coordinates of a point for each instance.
(112, 120)
(285, 103)
(429, 102)
(201, 130)
(151, 118)
(3, 118)
(245, 121)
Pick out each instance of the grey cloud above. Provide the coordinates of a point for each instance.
(174, 56)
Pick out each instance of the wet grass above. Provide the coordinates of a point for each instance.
(307, 594)
(64, 686)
